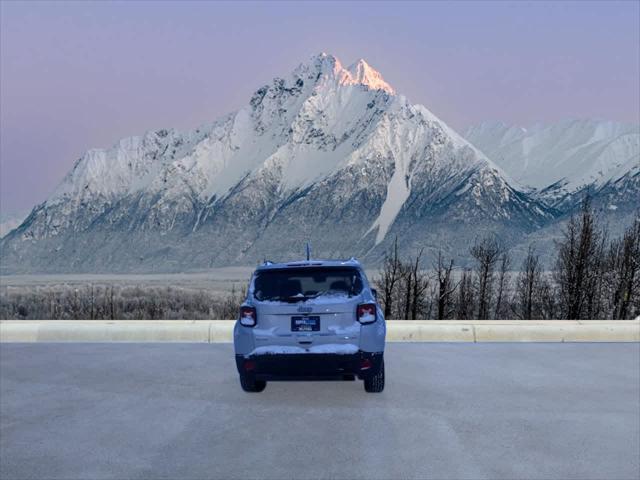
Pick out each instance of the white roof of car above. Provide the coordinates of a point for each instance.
(352, 262)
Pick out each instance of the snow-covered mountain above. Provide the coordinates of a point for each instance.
(562, 161)
(327, 154)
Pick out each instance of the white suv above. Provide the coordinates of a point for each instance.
(310, 320)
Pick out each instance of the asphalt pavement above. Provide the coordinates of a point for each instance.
(495, 411)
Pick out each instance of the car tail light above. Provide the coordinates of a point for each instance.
(249, 365)
(366, 312)
(365, 364)
(248, 316)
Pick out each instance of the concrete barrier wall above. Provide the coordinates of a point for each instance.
(221, 331)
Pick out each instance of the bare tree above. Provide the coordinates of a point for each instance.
(112, 309)
(577, 264)
(486, 253)
(420, 287)
(430, 300)
(503, 284)
(405, 291)
(92, 302)
(388, 281)
(446, 287)
(547, 295)
(528, 285)
(465, 306)
(623, 271)
(231, 304)
(409, 299)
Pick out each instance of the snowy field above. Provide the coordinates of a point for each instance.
(219, 280)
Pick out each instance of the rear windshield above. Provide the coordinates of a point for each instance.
(296, 284)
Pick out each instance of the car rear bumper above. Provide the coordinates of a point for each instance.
(310, 366)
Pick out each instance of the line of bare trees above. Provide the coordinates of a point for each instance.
(109, 302)
(592, 277)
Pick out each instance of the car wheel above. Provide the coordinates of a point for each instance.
(375, 383)
(249, 384)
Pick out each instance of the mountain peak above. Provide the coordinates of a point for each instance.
(359, 73)
(363, 73)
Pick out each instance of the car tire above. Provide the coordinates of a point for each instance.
(375, 383)
(249, 384)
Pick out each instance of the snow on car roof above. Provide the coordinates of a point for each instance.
(309, 263)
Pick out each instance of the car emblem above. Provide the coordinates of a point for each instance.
(305, 309)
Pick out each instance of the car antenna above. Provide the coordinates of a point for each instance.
(308, 251)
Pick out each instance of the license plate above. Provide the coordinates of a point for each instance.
(305, 324)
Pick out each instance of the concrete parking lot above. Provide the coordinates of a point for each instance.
(513, 411)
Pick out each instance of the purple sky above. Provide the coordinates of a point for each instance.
(80, 75)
